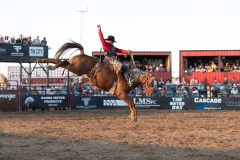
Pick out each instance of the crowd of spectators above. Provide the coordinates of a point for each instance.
(168, 88)
(195, 88)
(148, 65)
(25, 40)
(232, 65)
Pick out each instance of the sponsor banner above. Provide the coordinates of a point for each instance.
(140, 102)
(175, 103)
(3, 51)
(8, 100)
(85, 102)
(17, 51)
(36, 51)
(207, 103)
(113, 102)
(45, 101)
(22, 51)
(146, 102)
(231, 103)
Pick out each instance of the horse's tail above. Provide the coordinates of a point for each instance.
(67, 46)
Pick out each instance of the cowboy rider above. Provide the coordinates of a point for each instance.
(111, 50)
(108, 46)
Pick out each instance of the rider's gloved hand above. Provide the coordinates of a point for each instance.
(98, 26)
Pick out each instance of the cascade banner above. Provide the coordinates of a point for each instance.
(207, 103)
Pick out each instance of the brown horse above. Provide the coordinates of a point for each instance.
(101, 76)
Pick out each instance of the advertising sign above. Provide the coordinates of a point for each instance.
(85, 102)
(140, 102)
(20, 51)
(45, 101)
(8, 101)
(207, 103)
(231, 103)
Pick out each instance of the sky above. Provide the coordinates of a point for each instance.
(139, 25)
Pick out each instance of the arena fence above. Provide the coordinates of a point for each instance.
(22, 99)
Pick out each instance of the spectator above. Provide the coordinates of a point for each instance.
(29, 40)
(155, 84)
(227, 67)
(19, 39)
(169, 89)
(221, 67)
(161, 69)
(12, 41)
(36, 41)
(195, 92)
(234, 91)
(24, 41)
(213, 67)
(215, 88)
(2, 39)
(190, 69)
(201, 89)
(44, 41)
(193, 83)
(42, 91)
(146, 68)
(150, 67)
(161, 83)
(6, 39)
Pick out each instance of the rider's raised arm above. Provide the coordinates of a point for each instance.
(104, 43)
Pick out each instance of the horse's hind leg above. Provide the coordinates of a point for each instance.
(60, 63)
(131, 105)
(54, 61)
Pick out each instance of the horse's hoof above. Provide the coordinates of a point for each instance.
(48, 67)
(133, 118)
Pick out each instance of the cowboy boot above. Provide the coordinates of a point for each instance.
(128, 78)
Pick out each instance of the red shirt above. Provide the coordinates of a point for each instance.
(106, 45)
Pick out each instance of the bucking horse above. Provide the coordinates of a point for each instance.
(102, 74)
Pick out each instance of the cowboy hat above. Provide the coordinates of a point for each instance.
(111, 38)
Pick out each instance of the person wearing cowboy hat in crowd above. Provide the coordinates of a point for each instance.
(111, 51)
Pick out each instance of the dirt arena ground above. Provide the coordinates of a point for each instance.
(110, 135)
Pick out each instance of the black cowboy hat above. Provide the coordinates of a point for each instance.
(111, 38)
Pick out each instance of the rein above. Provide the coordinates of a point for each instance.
(133, 61)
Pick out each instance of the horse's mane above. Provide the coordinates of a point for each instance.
(67, 46)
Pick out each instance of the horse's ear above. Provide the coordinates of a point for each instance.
(82, 52)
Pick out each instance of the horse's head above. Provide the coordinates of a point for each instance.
(146, 79)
